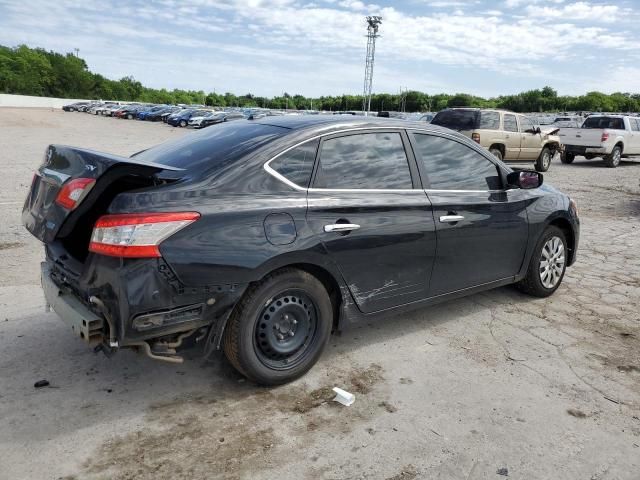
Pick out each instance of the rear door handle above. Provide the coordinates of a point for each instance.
(341, 227)
(451, 218)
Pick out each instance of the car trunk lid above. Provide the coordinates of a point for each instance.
(45, 218)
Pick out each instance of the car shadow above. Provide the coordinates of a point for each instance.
(582, 162)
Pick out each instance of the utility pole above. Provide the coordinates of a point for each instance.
(77, 50)
(373, 23)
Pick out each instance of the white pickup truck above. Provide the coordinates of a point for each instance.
(611, 137)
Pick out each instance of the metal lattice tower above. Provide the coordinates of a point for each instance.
(372, 34)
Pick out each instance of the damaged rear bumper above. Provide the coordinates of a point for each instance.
(83, 322)
(133, 302)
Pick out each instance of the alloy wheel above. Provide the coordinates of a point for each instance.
(552, 262)
(616, 157)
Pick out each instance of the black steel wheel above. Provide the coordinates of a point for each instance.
(279, 328)
(285, 329)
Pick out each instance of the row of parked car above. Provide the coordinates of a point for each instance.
(177, 116)
(511, 137)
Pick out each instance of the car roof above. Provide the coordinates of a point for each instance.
(328, 123)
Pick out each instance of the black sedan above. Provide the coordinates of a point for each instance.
(261, 237)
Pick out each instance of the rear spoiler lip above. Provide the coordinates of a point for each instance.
(120, 159)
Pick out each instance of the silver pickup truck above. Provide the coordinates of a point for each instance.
(611, 137)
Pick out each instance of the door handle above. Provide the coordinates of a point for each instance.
(341, 227)
(451, 218)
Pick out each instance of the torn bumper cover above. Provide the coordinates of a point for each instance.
(127, 302)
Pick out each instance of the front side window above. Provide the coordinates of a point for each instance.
(525, 125)
(510, 124)
(296, 165)
(364, 161)
(450, 165)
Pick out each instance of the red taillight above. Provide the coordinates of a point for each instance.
(72, 192)
(136, 235)
(475, 137)
(605, 137)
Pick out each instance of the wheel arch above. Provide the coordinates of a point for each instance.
(565, 225)
(331, 279)
(499, 146)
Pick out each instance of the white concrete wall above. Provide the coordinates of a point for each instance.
(34, 102)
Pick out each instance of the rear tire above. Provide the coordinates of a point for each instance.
(130, 117)
(567, 158)
(547, 265)
(613, 160)
(544, 160)
(279, 328)
(496, 153)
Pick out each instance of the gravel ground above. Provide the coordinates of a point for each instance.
(496, 383)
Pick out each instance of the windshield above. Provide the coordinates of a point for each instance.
(604, 122)
(457, 119)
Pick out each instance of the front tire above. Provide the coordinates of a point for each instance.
(279, 328)
(183, 123)
(567, 158)
(613, 160)
(496, 153)
(544, 160)
(547, 265)
(130, 117)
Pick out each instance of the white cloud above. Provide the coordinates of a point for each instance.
(578, 11)
(320, 45)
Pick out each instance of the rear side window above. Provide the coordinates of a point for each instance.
(457, 119)
(367, 160)
(510, 124)
(604, 122)
(635, 124)
(296, 165)
(450, 165)
(489, 121)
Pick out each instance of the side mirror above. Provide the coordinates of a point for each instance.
(525, 179)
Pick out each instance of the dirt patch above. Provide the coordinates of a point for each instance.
(227, 435)
(629, 368)
(363, 380)
(313, 399)
(574, 412)
(388, 407)
(10, 245)
(408, 472)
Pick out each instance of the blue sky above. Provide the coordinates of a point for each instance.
(317, 47)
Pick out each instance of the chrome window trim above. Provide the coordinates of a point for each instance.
(364, 190)
(295, 186)
(428, 190)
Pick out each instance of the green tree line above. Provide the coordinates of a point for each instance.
(35, 71)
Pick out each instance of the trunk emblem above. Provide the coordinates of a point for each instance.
(91, 168)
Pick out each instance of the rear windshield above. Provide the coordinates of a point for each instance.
(604, 122)
(211, 149)
(457, 119)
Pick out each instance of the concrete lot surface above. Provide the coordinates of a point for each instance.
(471, 389)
